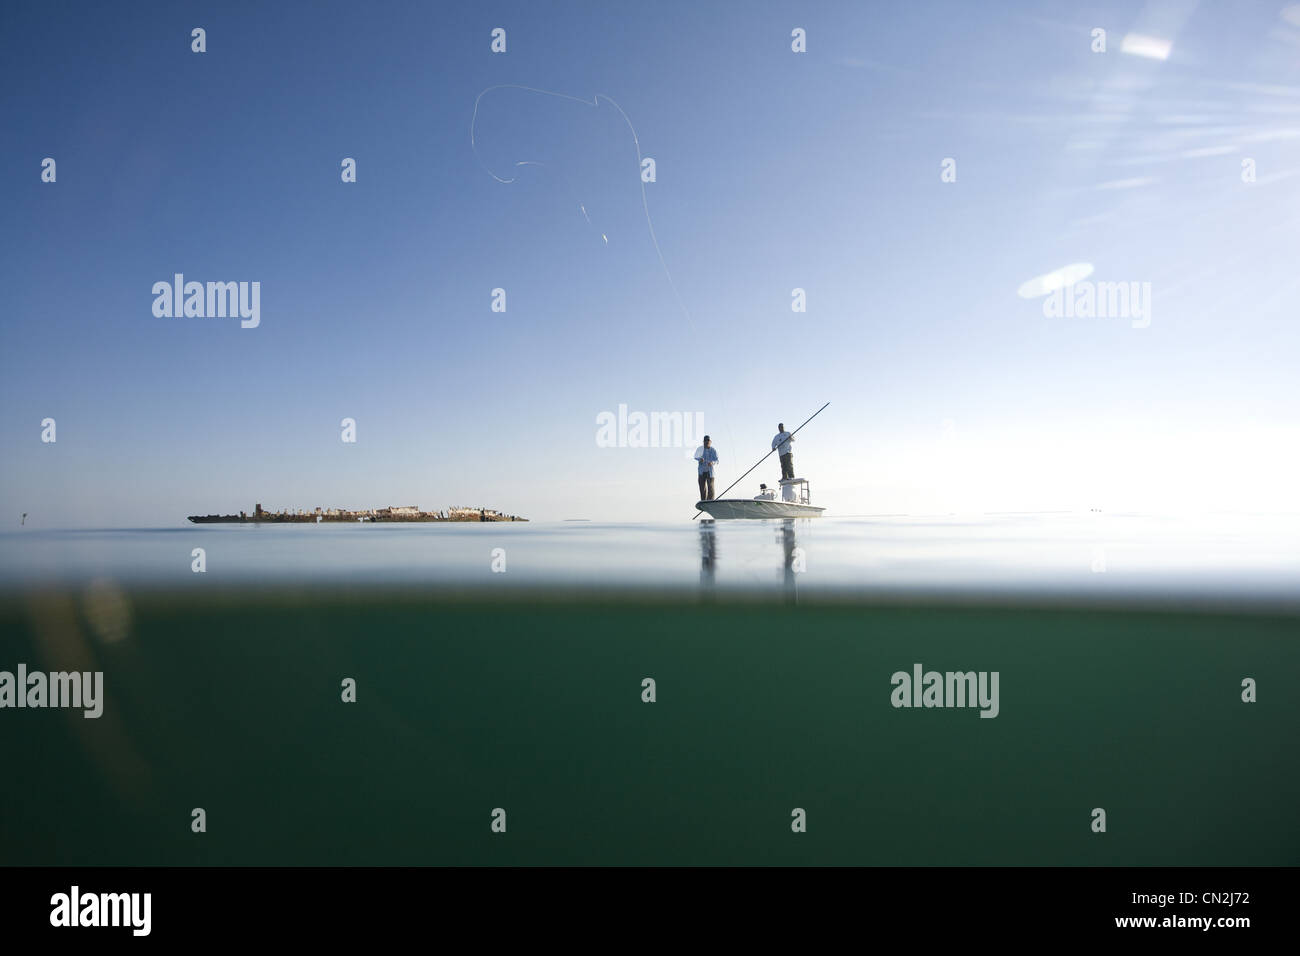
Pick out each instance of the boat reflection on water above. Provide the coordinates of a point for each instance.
(708, 557)
(791, 562)
(792, 558)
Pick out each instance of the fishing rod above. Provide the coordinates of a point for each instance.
(765, 457)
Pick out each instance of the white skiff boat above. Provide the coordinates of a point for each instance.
(793, 503)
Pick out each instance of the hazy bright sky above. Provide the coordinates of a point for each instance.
(775, 170)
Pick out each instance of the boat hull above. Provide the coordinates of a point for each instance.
(757, 508)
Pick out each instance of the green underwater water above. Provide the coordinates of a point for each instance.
(470, 703)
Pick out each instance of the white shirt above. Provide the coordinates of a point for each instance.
(783, 439)
(768, 495)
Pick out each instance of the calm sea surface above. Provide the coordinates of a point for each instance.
(1229, 556)
(227, 690)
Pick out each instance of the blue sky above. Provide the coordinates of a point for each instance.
(775, 170)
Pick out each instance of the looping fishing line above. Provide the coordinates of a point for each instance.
(645, 203)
